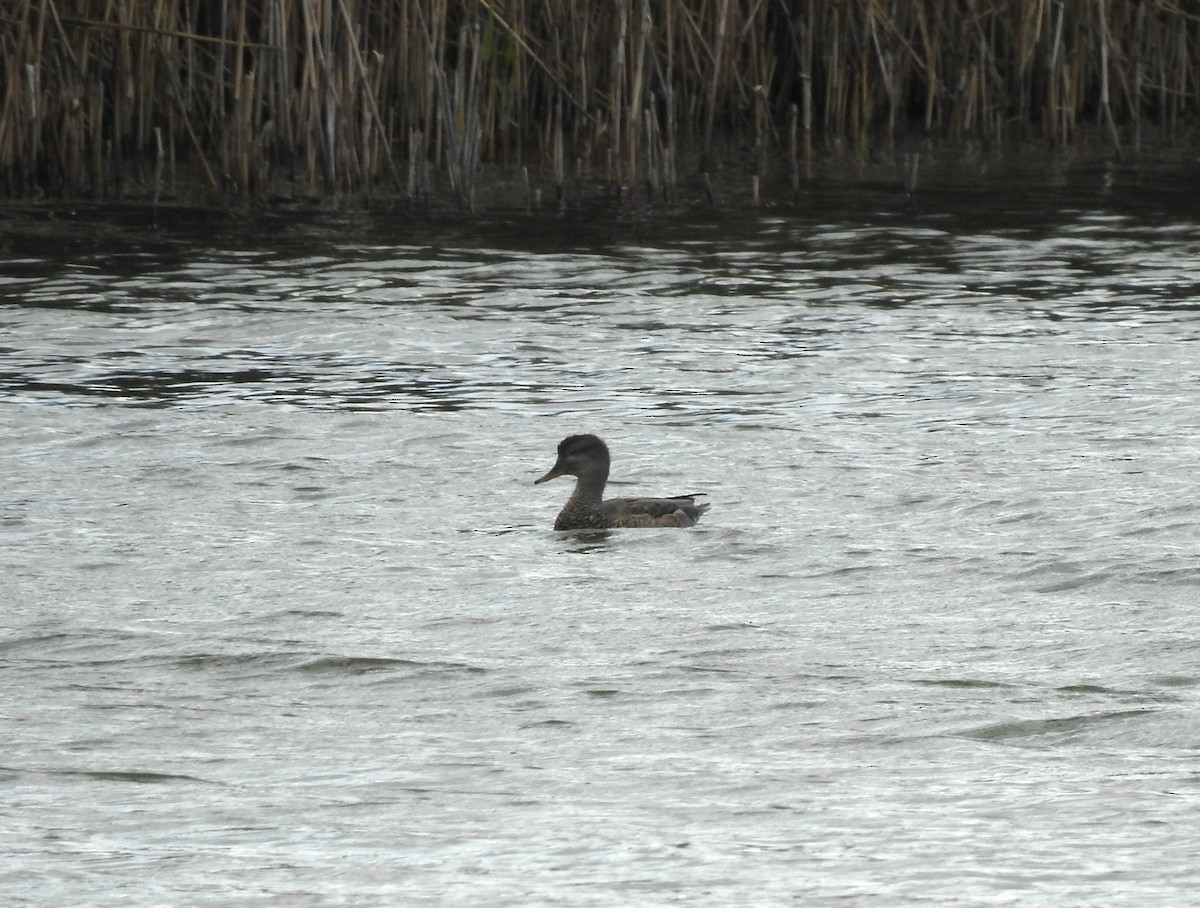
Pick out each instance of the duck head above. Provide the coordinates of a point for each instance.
(579, 455)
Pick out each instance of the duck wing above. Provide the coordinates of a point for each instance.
(677, 511)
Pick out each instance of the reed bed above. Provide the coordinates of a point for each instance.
(375, 100)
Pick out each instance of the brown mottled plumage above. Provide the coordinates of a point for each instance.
(586, 458)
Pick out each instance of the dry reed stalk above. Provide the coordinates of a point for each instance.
(1181, 90)
(806, 83)
(638, 150)
(715, 79)
(650, 143)
(460, 118)
(616, 100)
(1105, 108)
(793, 147)
(835, 83)
(1057, 86)
(158, 173)
(559, 158)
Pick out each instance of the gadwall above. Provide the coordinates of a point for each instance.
(586, 458)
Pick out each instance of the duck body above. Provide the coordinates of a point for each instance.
(586, 458)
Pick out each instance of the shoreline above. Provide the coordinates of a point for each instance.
(733, 186)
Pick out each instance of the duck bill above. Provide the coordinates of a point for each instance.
(554, 473)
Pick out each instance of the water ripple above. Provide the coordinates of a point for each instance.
(274, 560)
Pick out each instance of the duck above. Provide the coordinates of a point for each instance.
(586, 458)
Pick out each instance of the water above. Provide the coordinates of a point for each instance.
(285, 622)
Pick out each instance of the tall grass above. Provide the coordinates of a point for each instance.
(414, 98)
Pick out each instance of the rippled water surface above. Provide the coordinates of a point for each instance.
(286, 622)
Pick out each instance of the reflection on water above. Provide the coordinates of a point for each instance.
(274, 562)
